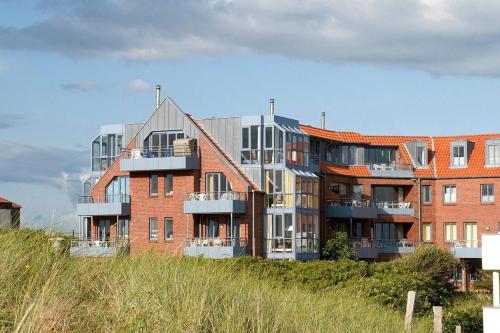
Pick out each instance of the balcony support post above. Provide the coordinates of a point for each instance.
(231, 227)
(350, 227)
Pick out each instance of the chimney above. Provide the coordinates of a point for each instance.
(271, 106)
(158, 88)
(323, 121)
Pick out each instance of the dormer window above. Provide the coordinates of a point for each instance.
(493, 152)
(418, 153)
(458, 151)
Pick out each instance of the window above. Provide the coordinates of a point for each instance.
(450, 232)
(153, 185)
(160, 144)
(427, 232)
(169, 183)
(418, 153)
(458, 157)
(216, 184)
(470, 234)
(493, 152)
(487, 193)
(118, 190)
(426, 194)
(213, 228)
(153, 228)
(123, 228)
(357, 191)
(250, 153)
(169, 228)
(449, 194)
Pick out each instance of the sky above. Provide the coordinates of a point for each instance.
(429, 67)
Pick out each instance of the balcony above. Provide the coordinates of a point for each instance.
(351, 208)
(466, 249)
(98, 248)
(395, 208)
(365, 248)
(215, 202)
(171, 158)
(215, 248)
(391, 170)
(395, 246)
(109, 205)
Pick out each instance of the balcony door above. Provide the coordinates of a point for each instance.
(216, 183)
(470, 235)
(103, 230)
(212, 228)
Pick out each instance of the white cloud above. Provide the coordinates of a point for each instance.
(139, 85)
(80, 86)
(438, 36)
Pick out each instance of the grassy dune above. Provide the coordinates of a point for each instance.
(42, 290)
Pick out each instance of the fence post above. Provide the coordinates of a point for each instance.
(438, 319)
(458, 329)
(410, 305)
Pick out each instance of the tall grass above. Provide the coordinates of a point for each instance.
(43, 290)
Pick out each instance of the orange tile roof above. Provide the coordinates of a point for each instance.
(476, 161)
(14, 205)
(439, 157)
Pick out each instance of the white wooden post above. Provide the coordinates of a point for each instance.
(491, 262)
(438, 319)
(458, 329)
(410, 305)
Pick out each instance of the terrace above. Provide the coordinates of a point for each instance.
(392, 170)
(466, 249)
(368, 248)
(183, 155)
(395, 208)
(98, 248)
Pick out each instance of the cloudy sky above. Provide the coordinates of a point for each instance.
(376, 66)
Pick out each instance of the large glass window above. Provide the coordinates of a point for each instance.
(118, 189)
(278, 233)
(449, 194)
(487, 193)
(212, 228)
(161, 144)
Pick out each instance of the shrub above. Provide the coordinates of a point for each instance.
(469, 317)
(338, 248)
(432, 260)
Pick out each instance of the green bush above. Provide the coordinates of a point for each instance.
(469, 317)
(338, 248)
(429, 259)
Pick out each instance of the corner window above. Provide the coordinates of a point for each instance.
(153, 185)
(487, 193)
(169, 183)
(458, 155)
(426, 194)
(169, 228)
(153, 228)
(449, 194)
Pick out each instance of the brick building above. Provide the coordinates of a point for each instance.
(269, 186)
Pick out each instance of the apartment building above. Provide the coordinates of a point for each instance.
(10, 214)
(269, 186)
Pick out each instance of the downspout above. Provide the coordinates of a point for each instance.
(419, 182)
(253, 222)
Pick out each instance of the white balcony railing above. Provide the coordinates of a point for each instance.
(467, 243)
(108, 242)
(349, 202)
(203, 196)
(216, 242)
(394, 204)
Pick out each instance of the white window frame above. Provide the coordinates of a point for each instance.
(426, 189)
(458, 154)
(490, 195)
(451, 233)
(153, 233)
(451, 197)
(171, 221)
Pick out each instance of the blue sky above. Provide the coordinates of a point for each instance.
(428, 67)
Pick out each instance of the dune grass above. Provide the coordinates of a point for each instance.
(43, 290)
